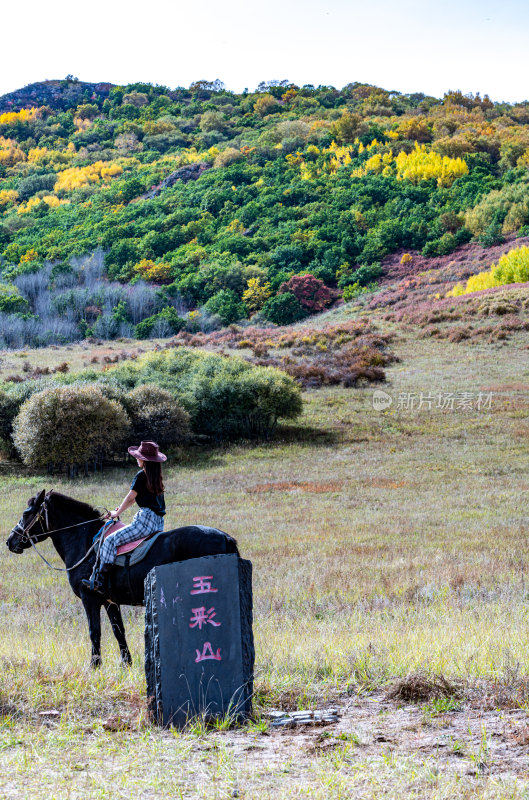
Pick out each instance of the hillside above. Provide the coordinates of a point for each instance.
(388, 542)
(212, 203)
(57, 95)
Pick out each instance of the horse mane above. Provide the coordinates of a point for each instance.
(74, 506)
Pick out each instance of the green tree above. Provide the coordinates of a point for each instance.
(11, 300)
(283, 309)
(175, 323)
(227, 306)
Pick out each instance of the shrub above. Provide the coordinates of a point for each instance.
(36, 183)
(363, 275)
(283, 309)
(266, 104)
(492, 235)
(256, 294)
(446, 244)
(200, 320)
(10, 402)
(507, 209)
(68, 425)
(156, 415)
(355, 290)
(311, 292)
(421, 165)
(227, 157)
(232, 398)
(169, 315)
(225, 397)
(11, 300)
(108, 387)
(105, 327)
(227, 306)
(151, 271)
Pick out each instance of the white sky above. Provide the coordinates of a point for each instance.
(425, 46)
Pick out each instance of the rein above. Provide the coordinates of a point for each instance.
(61, 569)
(44, 521)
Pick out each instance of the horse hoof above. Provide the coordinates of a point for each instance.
(126, 659)
(95, 662)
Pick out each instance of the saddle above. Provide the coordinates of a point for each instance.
(140, 546)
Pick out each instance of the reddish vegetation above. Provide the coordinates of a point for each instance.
(346, 354)
(385, 483)
(37, 372)
(312, 294)
(476, 257)
(418, 299)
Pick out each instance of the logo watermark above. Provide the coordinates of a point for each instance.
(430, 401)
(381, 400)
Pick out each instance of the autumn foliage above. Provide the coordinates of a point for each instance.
(256, 295)
(75, 177)
(152, 271)
(233, 204)
(311, 292)
(512, 267)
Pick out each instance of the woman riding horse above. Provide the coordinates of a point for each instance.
(73, 525)
(147, 491)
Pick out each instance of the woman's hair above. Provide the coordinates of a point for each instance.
(153, 473)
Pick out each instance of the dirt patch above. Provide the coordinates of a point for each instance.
(314, 487)
(385, 483)
(472, 739)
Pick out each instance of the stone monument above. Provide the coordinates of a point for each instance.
(199, 652)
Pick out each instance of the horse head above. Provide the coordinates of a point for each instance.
(31, 526)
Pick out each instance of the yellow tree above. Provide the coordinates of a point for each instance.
(151, 271)
(256, 294)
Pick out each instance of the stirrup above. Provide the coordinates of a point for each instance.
(98, 587)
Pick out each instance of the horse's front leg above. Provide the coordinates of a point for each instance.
(116, 620)
(92, 607)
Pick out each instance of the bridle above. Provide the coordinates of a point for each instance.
(42, 517)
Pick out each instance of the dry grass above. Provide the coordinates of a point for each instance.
(419, 688)
(316, 487)
(23, 364)
(384, 544)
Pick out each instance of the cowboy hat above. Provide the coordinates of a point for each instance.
(147, 451)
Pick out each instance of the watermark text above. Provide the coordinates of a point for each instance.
(431, 401)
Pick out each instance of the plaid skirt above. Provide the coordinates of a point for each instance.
(144, 522)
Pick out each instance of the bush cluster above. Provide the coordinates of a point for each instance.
(225, 397)
(73, 420)
(68, 425)
(345, 353)
(512, 267)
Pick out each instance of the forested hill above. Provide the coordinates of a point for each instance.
(221, 200)
(58, 95)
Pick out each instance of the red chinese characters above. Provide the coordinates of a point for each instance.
(202, 585)
(202, 617)
(207, 654)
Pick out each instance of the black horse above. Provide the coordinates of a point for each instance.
(72, 525)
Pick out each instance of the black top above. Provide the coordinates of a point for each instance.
(146, 499)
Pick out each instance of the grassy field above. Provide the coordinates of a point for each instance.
(383, 543)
